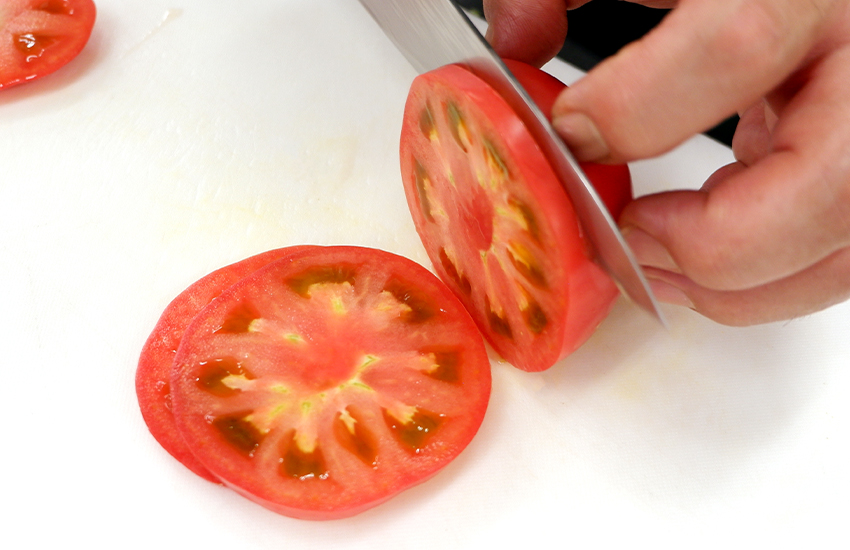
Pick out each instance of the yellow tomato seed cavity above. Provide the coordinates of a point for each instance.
(321, 275)
(458, 127)
(414, 431)
(301, 464)
(238, 430)
(426, 123)
(305, 441)
(348, 420)
(526, 264)
(423, 185)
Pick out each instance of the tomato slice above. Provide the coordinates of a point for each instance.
(153, 374)
(38, 37)
(326, 382)
(496, 222)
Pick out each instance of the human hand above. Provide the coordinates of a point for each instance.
(767, 238)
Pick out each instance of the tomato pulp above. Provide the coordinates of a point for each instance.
(327, 381)
(37, 37)
(153, 374)
(495, 220)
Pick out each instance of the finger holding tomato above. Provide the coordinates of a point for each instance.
(766, 238)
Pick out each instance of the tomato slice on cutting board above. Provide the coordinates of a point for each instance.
(37, 37)
(495, 220)
(328, 381)
(153, 374)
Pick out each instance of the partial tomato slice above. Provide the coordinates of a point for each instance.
(328, 381)
(38, 37)
(496, 222)
(153, 375)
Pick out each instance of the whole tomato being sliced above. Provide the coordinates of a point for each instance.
(496, 221)
(330, 380)
(153, 374)
(37, 37)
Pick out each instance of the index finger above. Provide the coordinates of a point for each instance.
(705, 61)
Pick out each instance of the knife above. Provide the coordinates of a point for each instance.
(433, 33)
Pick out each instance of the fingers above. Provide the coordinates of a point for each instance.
(532, 31)
(820, 286)
(783, 208)
(704, 62)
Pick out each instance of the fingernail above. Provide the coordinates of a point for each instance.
(581, 136)
(669, 293)
(648, 251)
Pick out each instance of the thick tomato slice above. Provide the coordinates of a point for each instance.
(328, 381)
(153, 375)
(38, 37)
(496, 222)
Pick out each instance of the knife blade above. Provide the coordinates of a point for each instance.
(434, 33)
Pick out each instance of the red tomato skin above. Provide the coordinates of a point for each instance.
(357, 494)
(581, 295)
(56, 30)
(153, 373)
(613, 182)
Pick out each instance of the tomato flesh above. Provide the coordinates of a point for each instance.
(330, 380)
(496, 222)
(37, 37)
(153, 374)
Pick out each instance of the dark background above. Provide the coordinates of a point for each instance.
(600, 28)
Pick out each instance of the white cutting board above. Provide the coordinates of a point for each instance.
(194, 133)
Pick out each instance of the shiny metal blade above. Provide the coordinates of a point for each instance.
(433, 33)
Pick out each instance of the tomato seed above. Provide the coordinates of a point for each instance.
(356, 438)
(420, 308)
(498, 323)
(535, 317)
(426, 123)
(301, 464)
(524, 262)
(458, 127)
(461, 281)
(238, 320)
(422, 183)
(331, 274)
(415, 432)
(215, 371)
(495, 162)
(528, 217)
(239, 432)
(446, 365)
